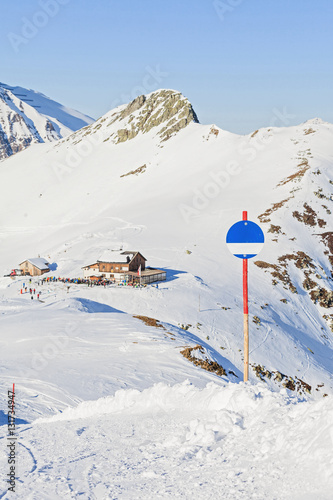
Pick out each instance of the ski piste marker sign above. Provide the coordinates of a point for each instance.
(245, 239)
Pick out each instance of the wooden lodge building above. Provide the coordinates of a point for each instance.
(34, 267)
(123, 266)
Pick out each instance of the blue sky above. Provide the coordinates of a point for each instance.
(244, 64)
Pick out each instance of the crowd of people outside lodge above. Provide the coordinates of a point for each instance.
(89, 282)
(76, 281)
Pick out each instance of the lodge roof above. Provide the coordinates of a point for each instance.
(38, 262)
(90, 265)
(118, 257)
(115, 257)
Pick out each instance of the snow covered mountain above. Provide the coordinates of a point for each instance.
(28, 117)
(148, 176)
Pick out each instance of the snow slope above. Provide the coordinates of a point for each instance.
(169, 430)
(29, 117)
(176, 441)
(147, 176)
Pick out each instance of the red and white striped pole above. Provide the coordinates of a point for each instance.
(246, 315)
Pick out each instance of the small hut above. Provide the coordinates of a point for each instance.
(34, 267)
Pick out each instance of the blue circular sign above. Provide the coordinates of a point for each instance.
(245, 239)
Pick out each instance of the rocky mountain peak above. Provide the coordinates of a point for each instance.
(166, 110)
(315, 121)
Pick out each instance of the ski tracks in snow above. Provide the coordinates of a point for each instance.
(241, 442)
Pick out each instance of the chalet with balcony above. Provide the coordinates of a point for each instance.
(115, 264)
(123, 266)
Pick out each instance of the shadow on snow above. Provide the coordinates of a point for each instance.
(4, 419)
(90, 306)
(172, 274)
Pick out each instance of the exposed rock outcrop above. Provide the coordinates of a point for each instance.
(164, 107)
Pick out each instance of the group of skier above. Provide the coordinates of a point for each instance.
(32, 291)
(76, 281)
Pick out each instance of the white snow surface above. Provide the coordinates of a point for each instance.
(106, 406)
(221, 441)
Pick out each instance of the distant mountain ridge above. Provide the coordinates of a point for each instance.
(28, 117)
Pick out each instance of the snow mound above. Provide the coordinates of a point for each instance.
(216, 418)
(162, 397)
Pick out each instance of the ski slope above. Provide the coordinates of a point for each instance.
(126, 414)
